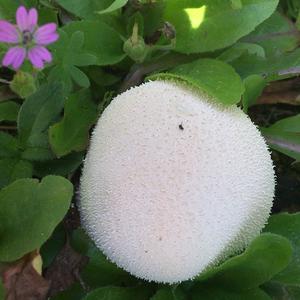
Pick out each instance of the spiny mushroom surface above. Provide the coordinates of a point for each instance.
(173, 183)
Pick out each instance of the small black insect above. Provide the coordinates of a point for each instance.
(181, 127)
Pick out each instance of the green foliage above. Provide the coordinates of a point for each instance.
(266, 256)
(230, 50)
(69, 55)
(99, 271)
(9, 111)
(117, 4)
(254, 85)
(12, 169)
(283, 136)
(29, 212)
(206, 25)
(288, 225)
(213, 77)
(169, 294)
(85, 9)
(70, 135)
(118, 293)
(37, 113)
(100, 40)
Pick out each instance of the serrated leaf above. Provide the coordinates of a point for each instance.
(9, 111)
(37, 113)
(288, 225)
(210, 76)
(69, 134)
(207, 25)
(266, 256)
(119, 293)
(12, 169)
(29, 213)
(117, 4)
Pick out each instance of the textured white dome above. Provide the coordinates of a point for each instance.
(172, 183)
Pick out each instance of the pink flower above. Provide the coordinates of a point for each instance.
(28, 39)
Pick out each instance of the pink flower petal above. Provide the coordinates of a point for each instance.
(8, 32)
(15, 56)
(36, 58)
(22, 18)
(32, 19)
(19, 59)
(46, 34)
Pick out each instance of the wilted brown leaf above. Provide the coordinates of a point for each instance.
(23, 282)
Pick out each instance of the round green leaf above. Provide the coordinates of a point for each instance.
(288, 225)
(266, 256)
(207, 25)
(210, 76)
(29, 213)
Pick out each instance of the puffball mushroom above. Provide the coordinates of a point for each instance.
(173, 183)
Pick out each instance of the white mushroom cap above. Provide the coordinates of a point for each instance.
(173, 183)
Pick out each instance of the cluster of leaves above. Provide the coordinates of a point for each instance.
(230, 50)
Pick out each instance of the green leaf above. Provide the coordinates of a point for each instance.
(9, 111)
(276, 35)
(75, 292)
(117, 4)
(238, 49)
(68, 55)
(288, 225)
(79, 77)
(283, 136)
(254, 85)
(84, 9)
(168, 293)
(29, 213)
(9, 146)
(72, 133)
(119, 293)
(62, 166)
(100, 40)
(271, 68)
(212, 77)
(216, 293)
(99, 271)
(37, 113)
(12, 169)
(53, 245)
(266, 256)
(207, 25)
